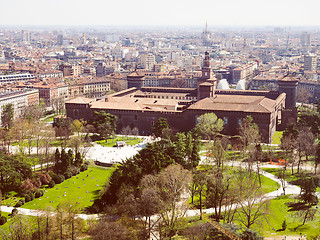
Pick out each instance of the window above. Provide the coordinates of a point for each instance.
(239, 121)
(76, 112)
(135, 117)
(225, 120)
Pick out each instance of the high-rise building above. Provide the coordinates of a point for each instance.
(310, 62)
(60, 40)
(305, 39)
(26, 36)
(147, 61)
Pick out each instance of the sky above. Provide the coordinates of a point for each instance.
(160, 13)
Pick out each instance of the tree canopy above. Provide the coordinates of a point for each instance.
(209, 125)
(7, 115)
(159, 126)
(104, 123)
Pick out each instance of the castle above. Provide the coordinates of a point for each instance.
(140, 106)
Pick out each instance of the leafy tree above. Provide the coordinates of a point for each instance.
(104, 123)
(308, 189)
(209, 125)
(13, 171)
(7, 115)
(160, 125)
(150, 160)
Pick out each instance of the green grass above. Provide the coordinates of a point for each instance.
(278, 211)
(276, 138)
(80, 190)
(112, 142)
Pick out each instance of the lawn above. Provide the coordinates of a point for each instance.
(81, 189)
(278, 211)
(296, 177)
(112, 142)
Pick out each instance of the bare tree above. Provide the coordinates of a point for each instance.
(171, 186)
(253, 205)
(305, 145)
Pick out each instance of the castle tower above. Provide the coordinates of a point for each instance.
(288, 85)
(135, 79)
(206, 68)
(206, 83)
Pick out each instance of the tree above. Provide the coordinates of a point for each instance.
(104, 123)
(217, 152)
(63, 130)
(218, 184)
(171, 185)
(249, 133)
(253, 205)
(7, 115)
(317, 158)
(288, 144)
(108, 229)
(160, 125)
(200, 180)
(305, 145)
(13, 171)
(209, 125)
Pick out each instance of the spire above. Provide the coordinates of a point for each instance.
(206, 26)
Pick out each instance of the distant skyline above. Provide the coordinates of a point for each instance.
(160, 13)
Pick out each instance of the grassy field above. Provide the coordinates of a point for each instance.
(81, 190)
(112, 142)
(278, 211)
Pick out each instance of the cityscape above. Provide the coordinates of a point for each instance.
(127, 121)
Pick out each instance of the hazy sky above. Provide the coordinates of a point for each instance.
(162, 12)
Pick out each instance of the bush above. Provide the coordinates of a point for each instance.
(86, 163)
(29, 197)
(45, 178)
(3, 220)
(51, 184)
(58, 178)
(14, 212)
(39, 193)
(67, 175)
(75, 171)
(83, 168)
(20, 203)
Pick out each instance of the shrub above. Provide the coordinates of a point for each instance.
(28, 186)
(51, 184)
(3, 220)
(20, 203)
(45, 178)
(58, 178)
(39, 193)
(29, 197)
(14, 212)
(67, 175)
(75, 171)
(83, 168)
(86, 163)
